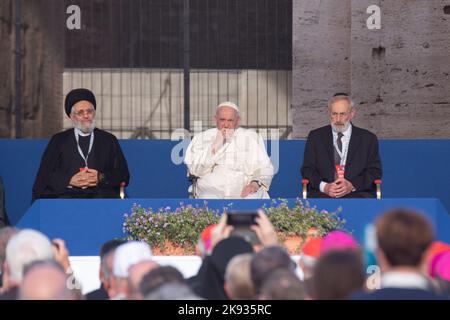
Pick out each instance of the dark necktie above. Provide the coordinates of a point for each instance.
(337, 158)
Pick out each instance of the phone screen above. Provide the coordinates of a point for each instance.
(241, 218)
(241, 222)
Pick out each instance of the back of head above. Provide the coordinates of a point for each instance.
(266, 261)
(128, 254)
(338, 274)
(110, 246)
(136, 274)
(158, 277)
(106, 260)
(24, 248)
(172, 291)
(45, 280)
(403, 236)
(211, 275)
(226, 249)
(238, 280)
(282, 284)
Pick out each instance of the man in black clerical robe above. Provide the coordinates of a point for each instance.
(83, 162)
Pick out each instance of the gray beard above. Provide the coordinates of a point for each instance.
(340, 129)
(84, 129)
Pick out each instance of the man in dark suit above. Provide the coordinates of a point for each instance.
(341, 160)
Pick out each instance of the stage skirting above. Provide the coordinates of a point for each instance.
(86, 224)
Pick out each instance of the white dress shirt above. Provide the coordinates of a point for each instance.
(345, 143)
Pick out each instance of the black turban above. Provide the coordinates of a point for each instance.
(78, 95)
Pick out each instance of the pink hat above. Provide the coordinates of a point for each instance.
(435, 248)
(337, 240)
(440, 266)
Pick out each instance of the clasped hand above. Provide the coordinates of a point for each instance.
(339, 188)
(84, 179)
(252, 187)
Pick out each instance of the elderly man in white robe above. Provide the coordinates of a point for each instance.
(229, 162)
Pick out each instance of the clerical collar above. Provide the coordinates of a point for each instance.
(80, 133)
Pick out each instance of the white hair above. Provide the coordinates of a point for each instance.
(24, 248)
(341, 97)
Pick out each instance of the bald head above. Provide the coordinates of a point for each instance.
(136, 273)
(44, 281)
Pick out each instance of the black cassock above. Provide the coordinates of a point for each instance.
(61, 160)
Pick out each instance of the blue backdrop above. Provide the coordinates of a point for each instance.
(86, 224)
(412, 168)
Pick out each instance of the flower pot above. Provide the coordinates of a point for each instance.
(171, 249)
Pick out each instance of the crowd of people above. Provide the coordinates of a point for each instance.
(410, 265)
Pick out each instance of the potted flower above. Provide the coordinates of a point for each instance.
(176, 231)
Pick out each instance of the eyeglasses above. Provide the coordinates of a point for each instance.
(83, 112)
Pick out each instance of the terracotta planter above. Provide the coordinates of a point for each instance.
(172, 250)
(293, 244)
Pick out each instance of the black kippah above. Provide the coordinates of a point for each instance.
(78, 95)
(340, 94)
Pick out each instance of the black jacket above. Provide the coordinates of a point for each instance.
(61, 161)
(363, 165)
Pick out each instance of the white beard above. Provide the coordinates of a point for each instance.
(84, 128)
(340, 128)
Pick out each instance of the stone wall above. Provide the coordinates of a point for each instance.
(397, 75)
(42, 64)
(6, 54)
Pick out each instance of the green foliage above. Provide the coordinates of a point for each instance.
(184, 225)
(299, 219)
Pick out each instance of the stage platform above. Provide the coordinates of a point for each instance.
(86, 224)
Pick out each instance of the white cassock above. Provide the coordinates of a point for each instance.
(224, 174)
